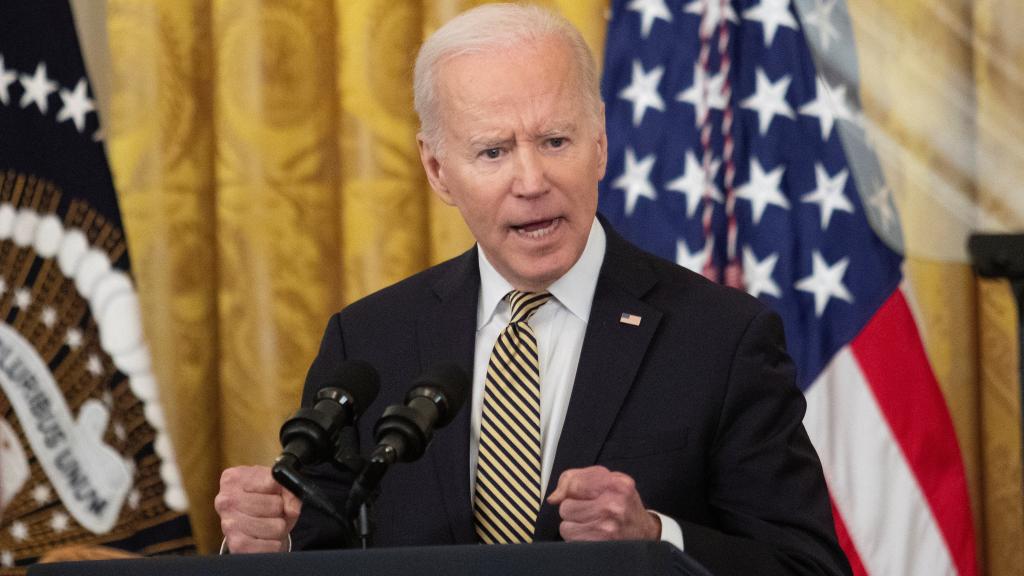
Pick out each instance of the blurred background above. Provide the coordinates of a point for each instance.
(265, 160)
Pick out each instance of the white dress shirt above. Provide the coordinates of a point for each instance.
(560, 326)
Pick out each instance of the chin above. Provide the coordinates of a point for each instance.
(541, 275)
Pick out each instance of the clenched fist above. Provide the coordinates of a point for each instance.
(598, 504)
(256, 513)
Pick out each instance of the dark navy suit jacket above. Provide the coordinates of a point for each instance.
(698, 404)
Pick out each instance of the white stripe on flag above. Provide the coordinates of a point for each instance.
(876, 492)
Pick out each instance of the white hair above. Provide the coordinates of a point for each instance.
(490, 27)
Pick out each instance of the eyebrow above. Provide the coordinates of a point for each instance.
(491, 141)
(567, 128)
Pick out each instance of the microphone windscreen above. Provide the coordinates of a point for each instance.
(453, 382)
(360, 380)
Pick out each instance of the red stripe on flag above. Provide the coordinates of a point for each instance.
(893, 360)
(847, 544)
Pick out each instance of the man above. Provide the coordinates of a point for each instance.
(615, 395)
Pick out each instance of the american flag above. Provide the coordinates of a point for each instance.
(738, 149)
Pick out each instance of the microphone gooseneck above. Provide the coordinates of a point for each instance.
(312, 434)
(404, 431)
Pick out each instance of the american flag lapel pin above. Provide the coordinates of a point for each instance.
(631, 319)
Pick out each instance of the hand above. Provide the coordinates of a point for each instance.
(256, 513)
(598, 504)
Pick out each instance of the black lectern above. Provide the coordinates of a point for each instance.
(575, 559)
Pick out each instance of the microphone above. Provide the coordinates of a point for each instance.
(404, 431)
(311, 434)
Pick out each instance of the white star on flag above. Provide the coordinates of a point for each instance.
(38, 88)
(763, 189)
(771, 14)
(19, 531)
(825, 282)
(829, 104)
(820, 18)
(636, 180)
(879, 202)
(769, 100)
(829, 194)
(691, 183)
(712, 13)
(59, 522)
(7, 77)
(694, 260)
(76, 105)
(649, 11)
(704, 93)
(757, 274)
(643, 91)
(41, 494)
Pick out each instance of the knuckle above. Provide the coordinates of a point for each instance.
(608, 528)
(228, 477)
(623, 482)
(616, 509)
(222, 502)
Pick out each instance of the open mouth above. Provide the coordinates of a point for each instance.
(538, 228)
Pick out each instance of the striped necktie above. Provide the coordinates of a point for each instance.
(507, 494)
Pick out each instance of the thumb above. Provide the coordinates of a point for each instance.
(292, 508)
(561, 489)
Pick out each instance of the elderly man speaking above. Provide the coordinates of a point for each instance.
(615, 395)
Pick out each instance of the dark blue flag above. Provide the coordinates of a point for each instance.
(85, 457)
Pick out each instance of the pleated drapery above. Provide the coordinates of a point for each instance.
(265, 157)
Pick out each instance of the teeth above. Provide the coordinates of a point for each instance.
(540, 232)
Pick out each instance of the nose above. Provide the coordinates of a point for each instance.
(530, 177)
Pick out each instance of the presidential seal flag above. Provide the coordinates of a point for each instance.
(738, 149)
(85, 456)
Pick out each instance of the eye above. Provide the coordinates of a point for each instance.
(556, 142)
(492, 153)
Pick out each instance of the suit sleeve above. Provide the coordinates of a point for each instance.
(766, 485)
(315, 530)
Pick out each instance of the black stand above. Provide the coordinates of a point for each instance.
(1002, 256)
(562, 559)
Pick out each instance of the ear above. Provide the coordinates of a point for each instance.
(602, 144)
(433, 169)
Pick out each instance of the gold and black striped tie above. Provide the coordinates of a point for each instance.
(507, 494)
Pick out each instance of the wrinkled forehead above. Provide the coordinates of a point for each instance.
(533, 82)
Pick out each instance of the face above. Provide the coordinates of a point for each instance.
(520, 158)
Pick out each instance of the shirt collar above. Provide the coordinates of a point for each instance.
(574, 290)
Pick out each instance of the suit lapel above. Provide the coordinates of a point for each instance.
(609, 361)
(448, 334)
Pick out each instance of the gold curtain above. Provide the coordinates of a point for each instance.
(265, 157)
(266, 161)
